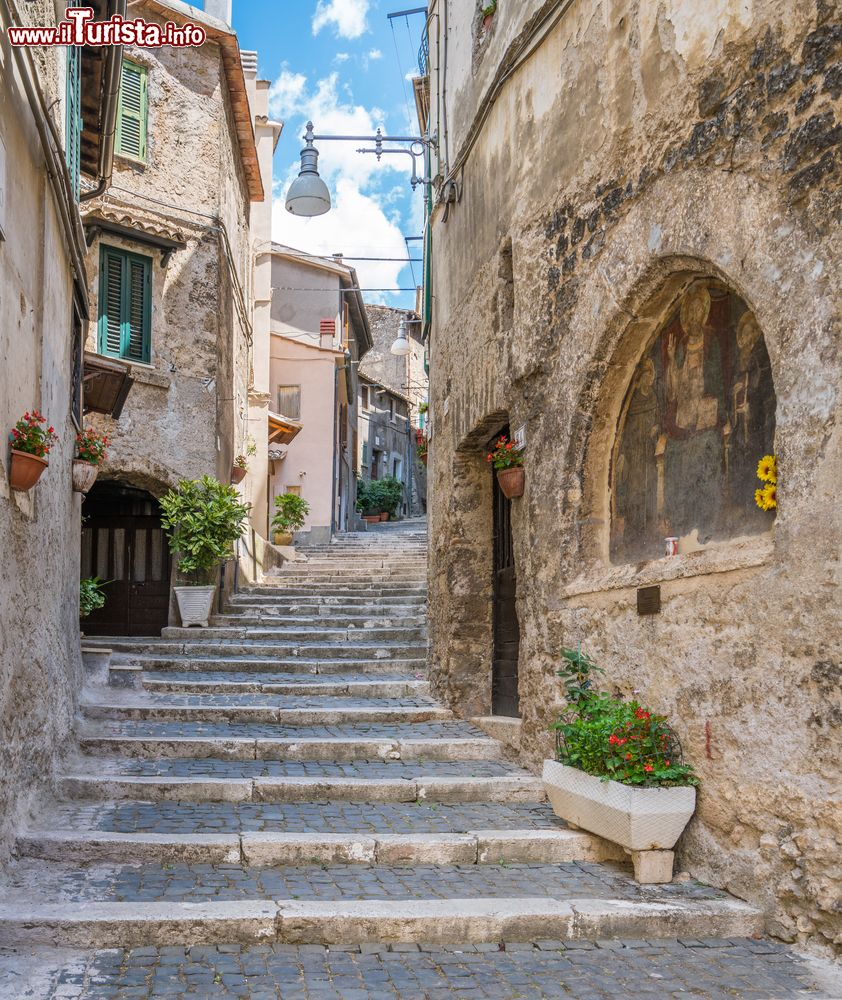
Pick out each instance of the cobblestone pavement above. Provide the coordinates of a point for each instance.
(249, 677)
(302, 817)
(180, 767)
(248, 699)
(255, 730)
(205, 883)
(708, 969)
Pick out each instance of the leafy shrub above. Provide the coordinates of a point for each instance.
(292, 512)
(91, 597)
(202, 519)
(390, 491)
(612, 738)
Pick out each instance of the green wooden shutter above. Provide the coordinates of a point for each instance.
(132, 111)
(135, 339)
(74, 115)
(125, 305)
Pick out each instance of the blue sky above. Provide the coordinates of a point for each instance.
(346, 66)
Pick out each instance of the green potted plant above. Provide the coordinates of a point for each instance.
(507, 459)
(368, 500)
(202, 519)
(421, 445)
(30, 444)
(90, 454)
(619, 772)
(390, 496)
(292, 513)
(91, 596)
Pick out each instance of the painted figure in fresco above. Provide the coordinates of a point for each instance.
(637, 473)
(699, 414)
(696, 427)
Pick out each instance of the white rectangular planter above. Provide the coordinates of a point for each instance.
(195, 604)
(640, 819)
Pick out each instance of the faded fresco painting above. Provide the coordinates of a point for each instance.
(698, 416)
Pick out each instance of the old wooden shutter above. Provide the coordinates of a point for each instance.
(289, 401)
(74, 115)
(132, 111)
(125, 305)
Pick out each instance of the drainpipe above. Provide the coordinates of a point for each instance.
(112, 77)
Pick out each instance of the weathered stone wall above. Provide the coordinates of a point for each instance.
(187, 414)
(642, 146)
(40, 666)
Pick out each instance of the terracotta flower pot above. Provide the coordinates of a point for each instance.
(424, 459)
(384, 515)
(283, 538)
(25, 470)
(84, 475)
(512, 481)
(371, 518)
(238, 474)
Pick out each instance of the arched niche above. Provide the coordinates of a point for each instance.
(697, 414)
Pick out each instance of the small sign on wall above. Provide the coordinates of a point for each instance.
(519, 436)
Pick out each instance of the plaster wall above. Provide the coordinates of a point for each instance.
(309, 460)
(653, 144)
(302, 296)
(40, 665)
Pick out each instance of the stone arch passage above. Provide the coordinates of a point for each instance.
(697, 416)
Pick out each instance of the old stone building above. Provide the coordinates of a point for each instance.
(650, 194)
(393, 400)
(170, 267)
(55, 117)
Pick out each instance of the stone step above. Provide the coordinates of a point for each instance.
(337, 685)
(297, 665)
(386, 604)
(148, 904)
(108, 783)
(260, 708)
(344, 590)
(250, 741)
(300, 619)
(198, 648)
(323, 633)
(493, 847)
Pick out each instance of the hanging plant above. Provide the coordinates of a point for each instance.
(30, 444)
(90, 454)
(507, 459)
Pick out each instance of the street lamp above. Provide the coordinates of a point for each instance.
(308, 194)
(401, 346)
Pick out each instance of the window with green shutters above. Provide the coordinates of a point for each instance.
(132, 112)
(125, 305)
(74, 115)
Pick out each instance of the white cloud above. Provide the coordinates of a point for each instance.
(374, 54)
(356, 226)
(347, 17)
(341, 57)
(286, 93)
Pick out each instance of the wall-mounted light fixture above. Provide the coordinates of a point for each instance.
(308, 194)
(402, 346)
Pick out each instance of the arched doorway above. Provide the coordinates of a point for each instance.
(123, 543)
(506, 628)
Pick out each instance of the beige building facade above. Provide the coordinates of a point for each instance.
(651, 195)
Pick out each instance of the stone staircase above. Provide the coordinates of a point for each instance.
(285, 778)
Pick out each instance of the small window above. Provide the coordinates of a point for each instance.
(293, 490)
(125, 305)
(132, 112)
(365, 397)
(289, 401)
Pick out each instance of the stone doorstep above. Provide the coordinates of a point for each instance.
(338, 749)
(279, 652)
(360, 689)
(511, 788)
(121, 925)
(271, 849)
(261, 714)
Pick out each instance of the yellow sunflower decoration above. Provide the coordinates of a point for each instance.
(766, 497)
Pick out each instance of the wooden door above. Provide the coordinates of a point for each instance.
(123, 543)
(504, 674)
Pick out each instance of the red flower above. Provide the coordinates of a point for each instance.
(628, 756)
(648, 768)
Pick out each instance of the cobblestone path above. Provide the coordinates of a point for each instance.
(276, 807)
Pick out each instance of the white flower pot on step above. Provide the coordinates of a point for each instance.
(195, 604)
(639, 819)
